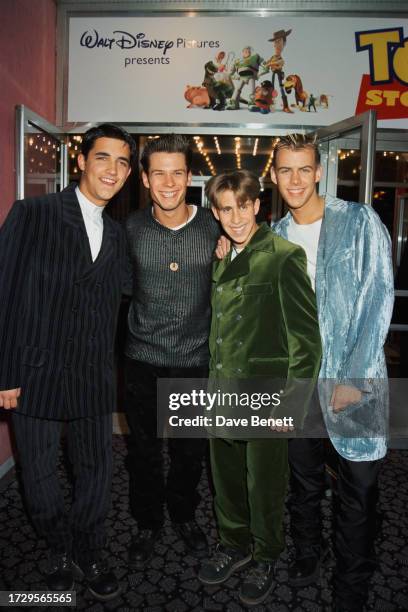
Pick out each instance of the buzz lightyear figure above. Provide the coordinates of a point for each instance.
(246, 70)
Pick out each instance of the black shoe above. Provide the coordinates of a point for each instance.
(101, 581)
(142, 547)
(305, 570)
(258, 583)
(59, 575)
(344, 606)
(222, 564)
(192, 536)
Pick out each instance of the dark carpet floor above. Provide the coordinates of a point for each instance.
(169, 583)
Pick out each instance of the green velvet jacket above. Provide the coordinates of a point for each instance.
(264, 317)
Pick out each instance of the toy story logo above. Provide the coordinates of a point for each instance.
(385, 89)
(234, 80)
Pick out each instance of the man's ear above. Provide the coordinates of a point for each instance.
(189, 177)
(257, 204)
(319, 172)
(273, 175)
(215, 212)
(81, 162)
(145, 180)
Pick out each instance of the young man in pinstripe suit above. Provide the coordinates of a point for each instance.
(63, 267)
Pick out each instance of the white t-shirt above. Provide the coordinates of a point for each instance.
(190, 218)
(306, 236)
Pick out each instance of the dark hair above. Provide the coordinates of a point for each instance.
(169, 143)
(243, 183)
(107, 130)
(297, 142)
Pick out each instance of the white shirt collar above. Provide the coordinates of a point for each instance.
(88, 208)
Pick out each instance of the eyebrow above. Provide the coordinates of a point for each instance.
(164, 170)
(105, 154)
(291, 168)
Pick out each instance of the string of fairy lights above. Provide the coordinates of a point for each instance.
(42, 153)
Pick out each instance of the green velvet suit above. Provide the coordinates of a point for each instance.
(264, 324)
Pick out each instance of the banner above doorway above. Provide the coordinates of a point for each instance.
(237, 71)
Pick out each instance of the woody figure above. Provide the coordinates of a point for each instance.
(276, 63)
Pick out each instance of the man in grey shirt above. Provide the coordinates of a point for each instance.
(171, 246)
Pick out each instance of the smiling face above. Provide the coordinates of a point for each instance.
(237, 219)
(296, 173)
(104, 170)
(167, 180)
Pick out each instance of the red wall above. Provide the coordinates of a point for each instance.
(27, 76)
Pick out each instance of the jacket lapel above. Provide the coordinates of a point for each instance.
(73, 221)
(228, 270)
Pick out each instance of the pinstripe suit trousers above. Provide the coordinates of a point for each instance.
(89, 447)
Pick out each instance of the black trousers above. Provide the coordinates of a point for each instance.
(354, 515)
(89, 446)
(147, 486)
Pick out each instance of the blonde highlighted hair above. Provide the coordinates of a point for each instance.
(297, 142)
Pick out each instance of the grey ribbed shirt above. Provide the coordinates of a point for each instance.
(169, 316)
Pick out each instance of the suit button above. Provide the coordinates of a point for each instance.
(219, 366)
(239, 371)
(219, 340)
(219, 315)
(238, 289)
(238, 317)
(219, 289)
(239, 343)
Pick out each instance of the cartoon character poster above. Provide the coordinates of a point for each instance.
(246, 80)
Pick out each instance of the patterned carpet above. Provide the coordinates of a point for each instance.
(169, 583)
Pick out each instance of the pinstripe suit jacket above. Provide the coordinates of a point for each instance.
(58, 308)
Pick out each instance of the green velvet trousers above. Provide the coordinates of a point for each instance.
(250, 480)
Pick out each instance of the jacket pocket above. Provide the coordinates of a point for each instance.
(275, 367)
(34, 356)
(257, 289)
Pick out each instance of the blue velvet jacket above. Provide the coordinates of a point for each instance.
(355, 295)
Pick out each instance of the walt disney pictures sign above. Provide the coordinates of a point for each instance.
(288, 71)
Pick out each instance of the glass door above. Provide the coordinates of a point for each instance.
(347, 153)
(41, 155)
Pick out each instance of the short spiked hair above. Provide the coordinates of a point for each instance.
(297, 142)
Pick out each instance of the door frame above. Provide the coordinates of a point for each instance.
(25, 116)
(367, 122)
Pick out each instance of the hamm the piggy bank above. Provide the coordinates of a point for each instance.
(197, 96)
